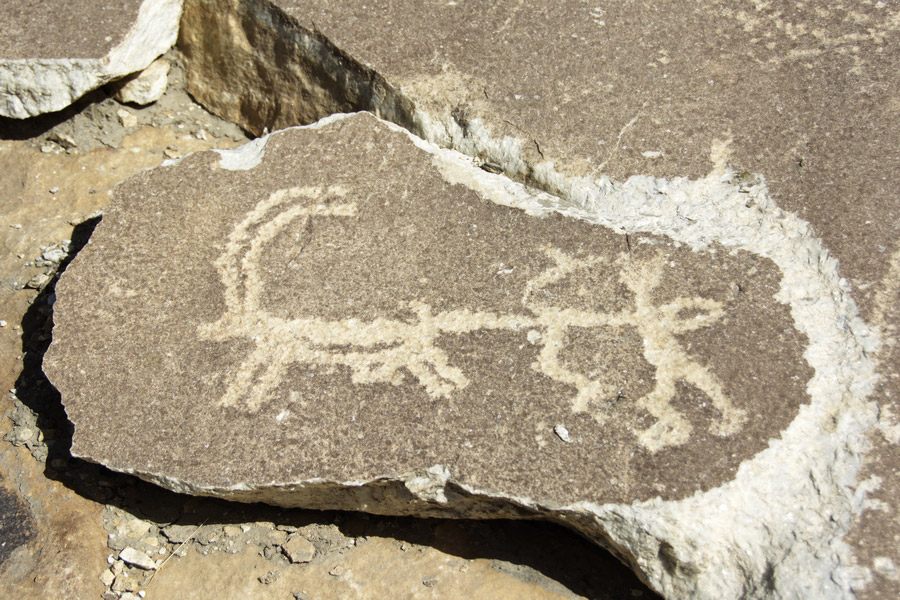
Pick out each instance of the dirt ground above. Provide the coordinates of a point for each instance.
(70, 529)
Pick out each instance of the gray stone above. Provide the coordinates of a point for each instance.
(178, 533)
(270, 577)
(38, 281)
(124, 583)
(50, 57)
(137, 558)
(298, 549)
(345, 316)
(146, 87)
(571, 97)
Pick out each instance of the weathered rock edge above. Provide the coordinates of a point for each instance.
(776, 529)
(29, 87)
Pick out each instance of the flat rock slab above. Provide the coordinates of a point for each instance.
(343, 316)
(52, 54)
(570, 96)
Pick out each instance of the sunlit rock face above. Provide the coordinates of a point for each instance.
(343, 316)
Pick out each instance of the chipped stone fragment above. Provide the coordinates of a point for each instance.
(146, 87)
(299, 549)
(178, 533)
(124, 583)
(38, 281)
(65, 141)
(270, 577)
(117, 567)
(137, 558)
(127, 118)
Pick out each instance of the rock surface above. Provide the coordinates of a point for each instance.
(784, 485)
(564, 96)
(50, 57)
(58, 502)
(57, 539)
(389, 328)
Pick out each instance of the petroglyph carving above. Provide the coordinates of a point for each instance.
(386, 350)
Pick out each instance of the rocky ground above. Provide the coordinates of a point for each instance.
(72, 529)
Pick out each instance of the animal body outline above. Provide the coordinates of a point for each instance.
(385, 350)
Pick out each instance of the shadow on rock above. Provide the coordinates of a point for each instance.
(26, 129)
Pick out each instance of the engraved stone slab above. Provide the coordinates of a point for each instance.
(343, 316)
(51, 55)
(576, 98)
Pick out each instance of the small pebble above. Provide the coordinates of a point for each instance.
(298, 549)
(562, 432)
(126, 118)
(2, 323)
(123, 583)
(63, 140)
(232, 531)
(54, 189)
(107, 578)
(38, 281)
(54, 255)
(137, 558)
(270, 577)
